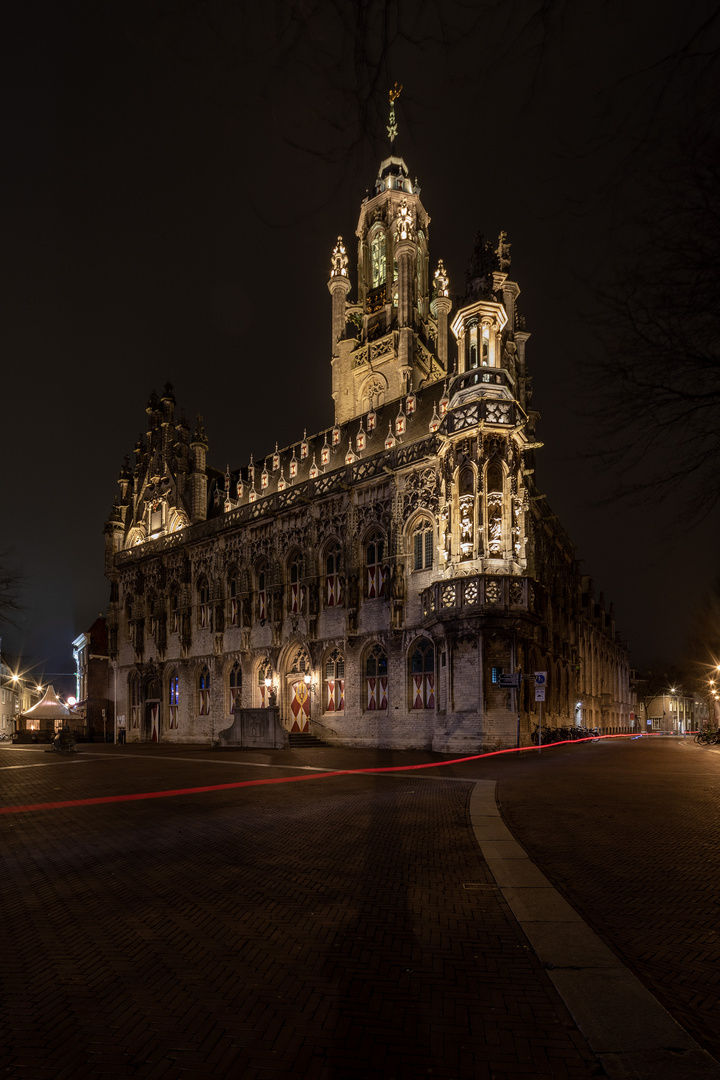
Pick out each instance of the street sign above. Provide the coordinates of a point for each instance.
(540, 679)
(509, 680)
(539, 693)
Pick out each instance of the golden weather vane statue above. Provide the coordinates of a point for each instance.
(393, 95)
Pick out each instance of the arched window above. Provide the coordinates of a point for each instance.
(376, 682)
(333, 580)
(203, 601)
(495, 510)
(335, 682)
(265, 686)
(235, 687)
(377, 260)
(232, 614)
(374, 553)
(135, 697)
(422, 675)
(423, 545)
(295, 594)
(204, 692)
(262, 595)
(173, 698)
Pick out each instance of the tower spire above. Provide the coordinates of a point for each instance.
(392, 128)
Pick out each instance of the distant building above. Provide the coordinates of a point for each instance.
(92, 676)
(378, 579)
(17, 694)
(670, 709)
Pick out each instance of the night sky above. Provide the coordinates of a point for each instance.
(175, 178)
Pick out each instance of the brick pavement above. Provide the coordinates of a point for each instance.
(340, 929)
(628, 833)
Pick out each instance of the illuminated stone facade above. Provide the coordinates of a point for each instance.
(377, 579)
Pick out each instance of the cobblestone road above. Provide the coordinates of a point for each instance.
(341, 928)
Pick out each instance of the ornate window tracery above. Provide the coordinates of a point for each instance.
(334, 682)
(204, 691)
(423, 545)
(333, 579)
(378, 263)
(235, 687)
(374, 554)
(376, 679)
(173, 698)
(421, 664)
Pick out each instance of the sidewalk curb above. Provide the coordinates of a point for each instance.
(629, 1031)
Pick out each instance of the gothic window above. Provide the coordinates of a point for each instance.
(376, 681)
(422, 675)
(135, 698)
(335, 682)
(423, 545)
(374, 553)
(232, 614)
(485, 346)
(377, 260)
(262, 595)
(265, 675)
(295, 594)
(204, 691)
(203, 602)
(173, 698)
(333, 581)
(495, 510)
(235, 687)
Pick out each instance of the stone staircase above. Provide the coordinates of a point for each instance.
(302, 740)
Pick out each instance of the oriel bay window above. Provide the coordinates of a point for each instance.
(376, 682)
(422, 675)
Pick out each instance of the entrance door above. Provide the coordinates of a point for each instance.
(299, 706)
(152, 722)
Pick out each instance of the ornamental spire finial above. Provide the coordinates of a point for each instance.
(393, 95)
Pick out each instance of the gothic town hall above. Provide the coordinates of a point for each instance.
(372, 583)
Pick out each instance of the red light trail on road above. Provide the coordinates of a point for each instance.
(99, 800)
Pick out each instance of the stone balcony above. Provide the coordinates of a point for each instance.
(481, 594)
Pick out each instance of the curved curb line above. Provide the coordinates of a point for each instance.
(628, 1030)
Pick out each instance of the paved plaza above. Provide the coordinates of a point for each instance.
(350, 926)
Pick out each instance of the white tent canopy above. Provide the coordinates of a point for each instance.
(48, 708)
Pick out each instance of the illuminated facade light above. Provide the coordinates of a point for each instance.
(264, 478)
(293, 469)
(390, 440)
(371, 420)
(282, 482)
(335, 437)
(400, 423)
(350, 457)
(304, 449)
(360, 439)
(276, 459)
(253, 494)
(434, 421)
(325, 453)
(444, 402)
(314, 471)
(410, 404)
